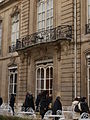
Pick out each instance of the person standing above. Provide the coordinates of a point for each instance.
(37, 102)
(57, 106)
(43, 104)
(29, 102)
(84, 106)
(1, 101)
(76, 115)
(12, 101)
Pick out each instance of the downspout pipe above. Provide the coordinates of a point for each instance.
(75, 50)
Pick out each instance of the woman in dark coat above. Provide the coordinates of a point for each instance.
(12, 101)
(57, 106)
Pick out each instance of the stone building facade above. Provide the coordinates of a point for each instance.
(44, 45)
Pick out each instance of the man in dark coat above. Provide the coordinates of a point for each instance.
(57, 106)
(29, 102)
(1, 101)
(37, 102)
(43, 104)
(12, 101)
(84, 105)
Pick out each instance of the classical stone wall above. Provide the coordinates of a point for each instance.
(25, 9)
(22, 79)
(62, 54)
(6, 9)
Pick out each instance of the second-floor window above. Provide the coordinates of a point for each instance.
(88, 11)
(0, 35)
(44, 14)
(15, 28)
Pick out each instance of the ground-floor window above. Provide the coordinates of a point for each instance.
(44, 77)
(12, 86)
(88, 78)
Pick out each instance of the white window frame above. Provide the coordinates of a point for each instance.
(45, 18)
(14, 28)
(40, 66)
(88, 78)
(13, 83)
(88, 12)
(0, 35)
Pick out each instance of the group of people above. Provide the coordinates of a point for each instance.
(79, 106)
(43, 103)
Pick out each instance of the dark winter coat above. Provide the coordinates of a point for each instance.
(43, 106)
(57, 106)
(12, 100)
(38, 100)
(84, 107)
(1, 101)
(29, 102)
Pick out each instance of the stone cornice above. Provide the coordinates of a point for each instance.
(6, 2)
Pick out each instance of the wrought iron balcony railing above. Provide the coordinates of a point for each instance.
(87, 28)
(63, 32)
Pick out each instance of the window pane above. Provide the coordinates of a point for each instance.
(42, 84)
(51, 72)
(46, 9)
(13, 81)
(0, 35)
(47, 73)
(88, 2)
(40, 17)
(38, 73)
(43, 6)
(43, 16)
(11, 89)
(47, 84)
(11, 78)
(43, 24)
(15, 28)
(15, 89)
(89, 87)
(17, 35)
(38, 84)
(15, 78)
(88, 11)
(51, 83)
(42, 73)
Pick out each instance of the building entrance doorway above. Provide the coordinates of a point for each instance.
(44, 76)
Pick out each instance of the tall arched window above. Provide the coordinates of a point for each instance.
(88, 79)
(44, 78)
(12, 86)
(88, 11)
(0, 35)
